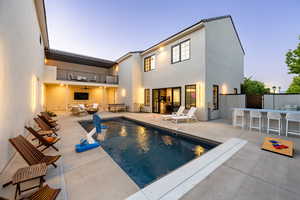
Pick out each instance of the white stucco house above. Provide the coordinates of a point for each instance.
(189, 68)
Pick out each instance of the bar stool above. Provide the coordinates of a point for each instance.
(255, 115)
(238, 114)
(292, 117)
(275, 116)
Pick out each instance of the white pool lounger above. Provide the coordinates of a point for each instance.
(174, 185)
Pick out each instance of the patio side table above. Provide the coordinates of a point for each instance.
(22, 175)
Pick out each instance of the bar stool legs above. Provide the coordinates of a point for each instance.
(292, 117)
(252, 123)
(255, 115)
(273, 129)
(238, 114)
(291, 132)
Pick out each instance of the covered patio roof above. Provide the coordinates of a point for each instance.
(77, 58)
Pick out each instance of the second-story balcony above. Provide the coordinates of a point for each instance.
(54, 74)
(73, 75)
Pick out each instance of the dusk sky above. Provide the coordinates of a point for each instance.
(109, 29)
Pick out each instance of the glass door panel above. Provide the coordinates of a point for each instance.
(176, 98)
(155, 101)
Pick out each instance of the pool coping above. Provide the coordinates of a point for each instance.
(176, 132)
(177, 183)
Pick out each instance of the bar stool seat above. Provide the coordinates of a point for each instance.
(236, 115)
(292, 117)
(274, 116)
(255, 115)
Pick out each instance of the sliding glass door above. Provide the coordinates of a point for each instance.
(166, 100)
(155, 101)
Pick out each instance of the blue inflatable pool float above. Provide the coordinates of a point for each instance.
(84, 146)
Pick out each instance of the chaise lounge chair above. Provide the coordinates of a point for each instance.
(44, 127)
(30, 153)
(42, 140)
(190, 115)
(178, 113)
(48, 117)
(52, 125)
(44, 193)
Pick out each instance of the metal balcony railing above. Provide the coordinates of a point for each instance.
(73, 75)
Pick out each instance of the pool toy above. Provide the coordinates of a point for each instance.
(89, 142)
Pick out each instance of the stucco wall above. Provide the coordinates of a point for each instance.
(280, 100)
(58, 97)
(183, 73)
(228, 102)
(186, 72)
(130, 90)
(21, 65)
(224, 60)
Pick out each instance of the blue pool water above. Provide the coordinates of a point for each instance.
(146, 153)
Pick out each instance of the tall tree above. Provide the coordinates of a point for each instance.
(293, 62)
(252, 87)
(295, 85)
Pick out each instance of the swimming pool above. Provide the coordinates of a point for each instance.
(145, 152)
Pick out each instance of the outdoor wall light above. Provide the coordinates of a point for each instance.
(224, 89)
(33, 93)
(123, 93)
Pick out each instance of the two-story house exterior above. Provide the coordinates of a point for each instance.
(190, 68)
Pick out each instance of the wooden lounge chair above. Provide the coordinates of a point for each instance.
(51, 125)
(44, 193)
(48, 117)
(42, 140)
(30, 153)
(44, 127)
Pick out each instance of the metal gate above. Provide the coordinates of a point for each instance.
(254, 101)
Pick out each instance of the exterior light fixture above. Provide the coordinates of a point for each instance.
(123, 92)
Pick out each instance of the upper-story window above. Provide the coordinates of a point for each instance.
(149, 63)
(181, 51)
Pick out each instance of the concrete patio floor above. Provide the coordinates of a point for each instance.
(250, 174)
